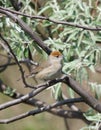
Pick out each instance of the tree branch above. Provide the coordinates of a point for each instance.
(27, 29)
(37, 111)
(35, 102)
(55, 21)
(20, 67)
(90, 100)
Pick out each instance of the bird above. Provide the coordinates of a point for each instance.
(50, 69)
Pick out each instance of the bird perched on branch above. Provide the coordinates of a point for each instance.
(50, 69)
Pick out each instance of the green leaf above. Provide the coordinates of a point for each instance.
(43, 10)
(57, 92)
(37, 48)
(9, 91)
(71, 93)
(80, 38)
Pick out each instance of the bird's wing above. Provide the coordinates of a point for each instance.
(40, 67)
(48, 73)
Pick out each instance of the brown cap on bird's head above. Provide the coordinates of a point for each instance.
(55, 53)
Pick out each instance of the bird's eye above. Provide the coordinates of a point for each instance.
(57, 56)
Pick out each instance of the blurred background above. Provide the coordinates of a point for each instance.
(81, 49)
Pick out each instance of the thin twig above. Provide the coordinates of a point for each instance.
(25, 61)
(20, 67)
(70, 105)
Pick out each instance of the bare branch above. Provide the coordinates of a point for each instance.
(39, 89)
(71, 114)
(36, 102)
(92, 28)
(89, 99)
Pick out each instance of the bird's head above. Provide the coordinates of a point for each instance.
(55, 56)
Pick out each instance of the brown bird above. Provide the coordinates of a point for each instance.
(50, 69)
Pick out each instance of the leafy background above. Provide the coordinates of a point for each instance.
(80, 47)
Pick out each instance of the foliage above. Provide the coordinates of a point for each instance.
(9, 91)
(79, 46)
